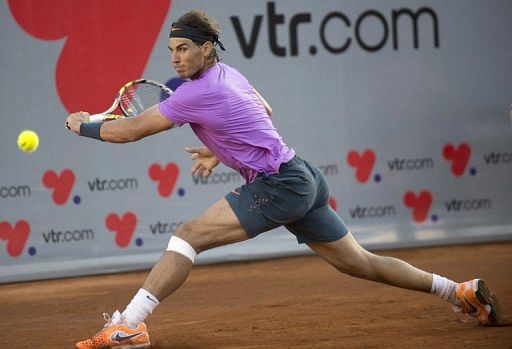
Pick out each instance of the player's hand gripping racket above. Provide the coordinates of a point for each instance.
(133, 98)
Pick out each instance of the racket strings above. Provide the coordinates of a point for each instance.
(138, 97)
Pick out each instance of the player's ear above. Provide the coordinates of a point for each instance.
(207, 49)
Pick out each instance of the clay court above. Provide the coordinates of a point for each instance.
(298, 302)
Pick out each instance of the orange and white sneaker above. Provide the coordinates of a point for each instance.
(476, 300)
(115, 335)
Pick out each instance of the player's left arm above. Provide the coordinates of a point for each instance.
(264, 102)
(205, 161)
(125, 130)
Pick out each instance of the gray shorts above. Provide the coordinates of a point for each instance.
(296, 197)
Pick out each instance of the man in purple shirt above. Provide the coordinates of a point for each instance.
(227, 115)
(232, 120)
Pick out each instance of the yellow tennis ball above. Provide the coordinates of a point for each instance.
(28, 141)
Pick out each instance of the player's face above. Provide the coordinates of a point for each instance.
(188, 59)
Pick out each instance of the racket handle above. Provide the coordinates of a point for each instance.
(96, 117)
(104, 117)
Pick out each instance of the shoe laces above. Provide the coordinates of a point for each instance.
(115, 319)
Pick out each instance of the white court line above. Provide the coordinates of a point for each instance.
(190, 323)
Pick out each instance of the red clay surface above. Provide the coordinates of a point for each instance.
(297, 302)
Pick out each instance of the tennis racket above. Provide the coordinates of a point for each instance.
(133, 98)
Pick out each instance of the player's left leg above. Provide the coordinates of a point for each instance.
(217, 226)
(348, 256)
(254, 208)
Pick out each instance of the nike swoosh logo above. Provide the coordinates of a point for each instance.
(151, 299)
(120, 338)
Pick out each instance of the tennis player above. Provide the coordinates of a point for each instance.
(232, 120)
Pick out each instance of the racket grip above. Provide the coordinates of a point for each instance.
(96, 117)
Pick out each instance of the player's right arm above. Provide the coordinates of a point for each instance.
(126, 130)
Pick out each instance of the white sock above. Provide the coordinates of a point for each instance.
(142, 304)
(444, 288)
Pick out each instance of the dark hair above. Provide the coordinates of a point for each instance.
(202, 21)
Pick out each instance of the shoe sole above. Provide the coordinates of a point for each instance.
(485, 296)
(131, 346)
(140, 346)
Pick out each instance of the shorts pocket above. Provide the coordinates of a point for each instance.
(297, 183)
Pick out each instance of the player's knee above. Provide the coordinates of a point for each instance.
(355, 270)
(178, 245)
(185, 231)
(368, 268)
(194, 234)
(183, 241)
(362, 267)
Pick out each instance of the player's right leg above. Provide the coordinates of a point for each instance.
(326, 233)
(475, 299)
(471, 297)
(350, 258)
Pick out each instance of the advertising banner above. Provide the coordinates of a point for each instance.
(404, 105)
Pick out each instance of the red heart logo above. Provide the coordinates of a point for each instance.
(16, 236)
(420, 204)
(89, 27)
(458, 156)
(166, 177)
(333, 203)
(123, 227)
(60, 184)
(362, 163)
